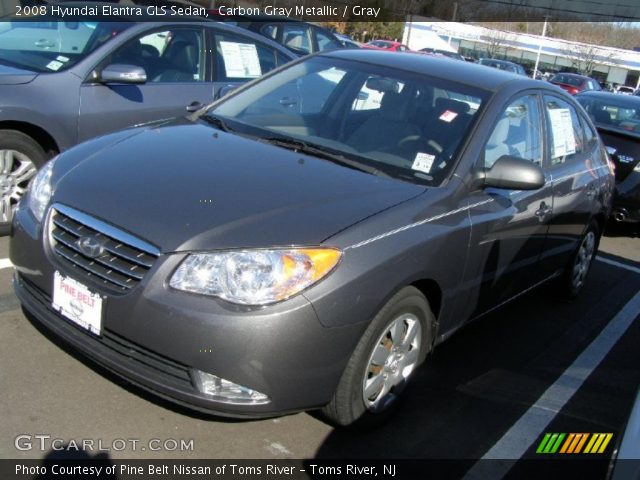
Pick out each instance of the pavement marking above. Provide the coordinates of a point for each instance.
(618, 264)
(527, 430)
(277, 448)
(5, 263)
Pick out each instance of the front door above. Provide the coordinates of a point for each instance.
(175, 62)
(509, 227)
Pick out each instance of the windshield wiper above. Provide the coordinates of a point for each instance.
(216, 122)
(322, 152)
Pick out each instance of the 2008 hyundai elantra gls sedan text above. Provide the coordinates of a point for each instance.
(308, 240)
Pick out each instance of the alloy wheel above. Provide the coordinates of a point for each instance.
(583, 260)
(394, 357)
(16, 170)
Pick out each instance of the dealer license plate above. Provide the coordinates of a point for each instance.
(76, 302)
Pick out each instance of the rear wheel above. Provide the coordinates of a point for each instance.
(394, 344)
(577, 269)
(20, 158)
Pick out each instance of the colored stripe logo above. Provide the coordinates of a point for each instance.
(574, 443)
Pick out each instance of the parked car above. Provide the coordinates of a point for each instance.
(574, 83)
(503, 65)
(444, 53)
(65, 82)
(387, 45)
(347, 41)
(318, 257)
(624, 90)
(624, 463)
(617, 119)
(301, 38)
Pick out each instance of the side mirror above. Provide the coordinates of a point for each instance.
(226, 90)
(120, 73)
(514, 173)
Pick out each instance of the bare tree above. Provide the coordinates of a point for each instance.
(585, 57)
(495, 42)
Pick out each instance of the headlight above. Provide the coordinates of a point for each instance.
(254, 277)
(41, 190)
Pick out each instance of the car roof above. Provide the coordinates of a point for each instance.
(482, 77)
(629, 99)
(575, 75)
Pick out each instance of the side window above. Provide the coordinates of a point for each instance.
(270, 31)
(297, 38)
(325, 42)
(167, 56)
(589, 134)
(517, 133)
(239, 59)
(565, 131)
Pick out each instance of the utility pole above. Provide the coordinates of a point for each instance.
(544, 32)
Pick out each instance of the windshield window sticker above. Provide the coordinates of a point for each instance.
(423, 162)
(54, 65)
(62, 59)
(564, 142)
(448, 116)
(240, 60)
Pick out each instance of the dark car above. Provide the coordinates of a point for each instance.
(574, 83)
(503, 65)
(65, 82)
(252, 260)
(301, 38)
(444, 53)
(617, 118)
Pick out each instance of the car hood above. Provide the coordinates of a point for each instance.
(186, 187)
(15, 76)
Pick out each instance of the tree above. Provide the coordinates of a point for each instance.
(496, 43)
(585, 57)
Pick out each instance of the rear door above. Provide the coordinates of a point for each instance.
(575, 179)
(238, 59)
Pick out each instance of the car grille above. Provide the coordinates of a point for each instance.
(123, 260)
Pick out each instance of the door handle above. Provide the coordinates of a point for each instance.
(543, 211)
(194, 106)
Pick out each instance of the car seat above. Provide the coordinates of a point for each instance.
(181, 59)
(386, 129)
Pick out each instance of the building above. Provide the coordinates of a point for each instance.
(609, 65)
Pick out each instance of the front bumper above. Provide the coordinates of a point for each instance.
(154, 337)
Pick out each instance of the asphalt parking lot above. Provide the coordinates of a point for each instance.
(474, 395)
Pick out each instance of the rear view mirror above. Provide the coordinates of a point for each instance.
(120, 73)
(382, 84)
(514, 173)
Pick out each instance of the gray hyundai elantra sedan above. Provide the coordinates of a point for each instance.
(308, 240)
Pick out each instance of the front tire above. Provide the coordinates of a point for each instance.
(20, 158)
(395, 343)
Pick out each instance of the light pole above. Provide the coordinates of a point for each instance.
(544, 31)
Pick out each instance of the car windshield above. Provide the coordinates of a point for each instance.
(392, 122)
(567, 80)
(614, 113)
(52, 46)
